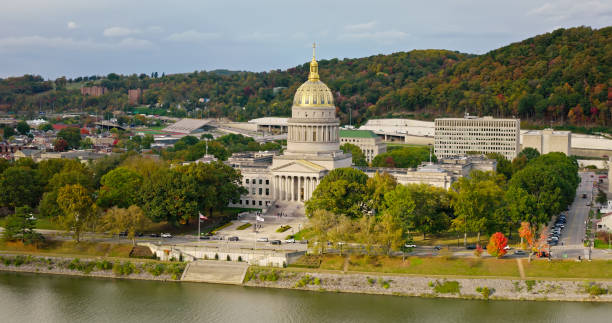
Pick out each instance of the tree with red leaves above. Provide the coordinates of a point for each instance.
(497, 245)
(60, 145)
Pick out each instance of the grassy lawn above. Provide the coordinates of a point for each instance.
(434, 266)
(450, 239)
(601, 244)
(304, 234)
(569, 269)
(84, 248)
(332, 262)
(41, 223)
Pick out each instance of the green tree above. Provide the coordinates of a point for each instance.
(407, 157)
(21, 226)
(377, 187)
(474, 200)
(529, 153)
(602, 198)
(45, 127)
(504, 166)
(71, 135)
(78, 209)
(358, 156)
(342, 191)
(130, 220)
(19, 186)
(120, 188)
(8, 132)
(23, 127)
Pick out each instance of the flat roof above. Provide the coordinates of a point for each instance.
(357, 134)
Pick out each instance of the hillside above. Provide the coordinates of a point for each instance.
(563, 77)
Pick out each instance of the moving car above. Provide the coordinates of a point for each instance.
(262, 239)
(409, 245)
(166, 235)
(519, 252)
(233, 239)
(154, 235)
(204, 237)
(275, 242)
(290, 241)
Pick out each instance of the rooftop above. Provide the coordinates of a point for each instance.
(357, 134)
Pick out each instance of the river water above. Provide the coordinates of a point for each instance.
(42, 298)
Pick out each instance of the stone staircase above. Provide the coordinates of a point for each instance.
(211, 271)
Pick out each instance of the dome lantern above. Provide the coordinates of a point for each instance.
(313, 93)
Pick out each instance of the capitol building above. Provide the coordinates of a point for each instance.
(313, 149)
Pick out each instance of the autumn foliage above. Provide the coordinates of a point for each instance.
(497, 245)
(526, 232)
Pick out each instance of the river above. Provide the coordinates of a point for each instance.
(46, 298)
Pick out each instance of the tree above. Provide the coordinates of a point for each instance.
(23, 127)
(45, 127)
(497, 245)
(60, 145)
(342, 191)
(527, 233)
(21, 225)
(19, 186)
(503, 165)
(602, 198)
(120, 188)
(389, 233)
(475, 200)
(8, 131)
(521, 206)
(430, 208)
(71, 135)
(327, 226)
(407, 157)
(77, 207)
(529, 153)
(377, 187)
(358, 156)
(130, 220)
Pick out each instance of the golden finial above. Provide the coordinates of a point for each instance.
(314, 66)
(314, 45)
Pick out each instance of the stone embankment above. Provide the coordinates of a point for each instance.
(471, 288)
(93, 267)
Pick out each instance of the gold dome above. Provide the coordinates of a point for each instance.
(313, 92)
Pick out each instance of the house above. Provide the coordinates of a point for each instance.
(605, 223)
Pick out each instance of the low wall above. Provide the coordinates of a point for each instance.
(254, 257)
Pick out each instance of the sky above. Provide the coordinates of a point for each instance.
(80, 37)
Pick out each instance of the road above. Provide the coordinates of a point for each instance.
(573, 233)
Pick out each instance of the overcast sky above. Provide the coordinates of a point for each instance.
(53, 38)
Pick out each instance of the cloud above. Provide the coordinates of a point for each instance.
(385, 36)
(120, 32)
(192, 36)
(569, 9)
(257, 36)
(27, 43)
(72, 25)
(361, 27)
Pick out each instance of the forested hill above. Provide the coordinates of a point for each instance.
(564, 76)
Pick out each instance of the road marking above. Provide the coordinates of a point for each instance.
(520, 267)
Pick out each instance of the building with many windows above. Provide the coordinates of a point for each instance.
(458, 136)
(370, 144)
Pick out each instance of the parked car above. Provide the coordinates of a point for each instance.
(204, 237)
(437, 248)
(166, 235)
(519, 252)
(410, 245)
(154, 235)
(216, 238)
(123, 234)
(262, 239)
(275, 242)
(139, 234)
(233, 239)
(507, 248)
(303, 241)
(290, 241)
(554, 242)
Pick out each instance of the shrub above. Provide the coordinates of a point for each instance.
(283, 228)
(19, 260)
(371, 281)
(123, 269)
(530, 285)
(447, 287)
(594, 289)
(307, 280)
(485, 291)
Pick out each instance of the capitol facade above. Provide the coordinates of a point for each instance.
(313, 149)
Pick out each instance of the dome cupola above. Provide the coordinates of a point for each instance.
(313, 93)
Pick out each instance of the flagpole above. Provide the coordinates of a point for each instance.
(199, 220)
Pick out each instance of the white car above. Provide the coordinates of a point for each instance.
(262, 239)
(507, 248)
(290, 241)
(410, 245)
(166, 235)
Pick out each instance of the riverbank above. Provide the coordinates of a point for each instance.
(92, 267)
(319, 280)
(430, 286)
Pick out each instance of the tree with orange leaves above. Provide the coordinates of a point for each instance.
(497, 245)
(526, 233)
